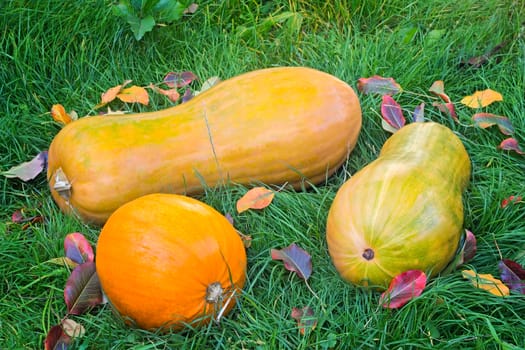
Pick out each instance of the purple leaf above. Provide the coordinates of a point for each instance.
(403, 288)
(513, 275)
(28, 170)
(83, 289)
(56, 339)
(419, 113)
(77, 248)
(178, 80)
(392, 113)
(295, 259)
(470, 248)
(378, 85)
(485, 120)
(188, 95)
(305, 318)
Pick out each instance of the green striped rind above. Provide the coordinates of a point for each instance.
(406, 207)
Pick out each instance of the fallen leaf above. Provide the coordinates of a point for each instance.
(73, 328)
(513, 275)
(392, 113)
(447, 108)
(77, 248)
(510, 144)
(438, 89)
(191, 9)
(511, 200)
(111, 94)
(83, 289)
(295, 259)
(486, 282)
(485, 120)
(188, 95)
(17, 217)
(470, 248)
(172, 94)
(256, 198)
(209, 83)
(478, 61)
(28, 170)
(178, 80)
(56, 339)
(419, 113)
(378, 85)
(305, 317)
(481, 98)
(134, 94)
(403, 288)
(60, 115)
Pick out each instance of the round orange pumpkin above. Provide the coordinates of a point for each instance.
(167, 260)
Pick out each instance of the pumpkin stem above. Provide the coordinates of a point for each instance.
(214, 293)
(368, 254)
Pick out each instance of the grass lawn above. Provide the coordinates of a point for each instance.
(69, 52)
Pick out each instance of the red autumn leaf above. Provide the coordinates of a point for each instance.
(134, 94)
(447, 108)
(60, 115)
(256, 198)
(511, 200)
(17, 217)
(513, 275)
(295, 259)
(56, 339)
(510, 144)
(305, 317)
(77, 248)
(403, 288)
(419, 113)
(378, 85)
(392, 113)
(481, 99)
(438, 89)
(485, 120)
(178, 80)
(82, 289)
(172, 94)
(111, 94)
(28, 170)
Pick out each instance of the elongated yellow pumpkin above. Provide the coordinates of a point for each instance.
(278, 125)
(403, 211)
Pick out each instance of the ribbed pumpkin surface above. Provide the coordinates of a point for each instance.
(279, 125)
(159, 256)
(404, 210)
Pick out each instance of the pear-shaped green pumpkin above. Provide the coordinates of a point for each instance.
(403, 211)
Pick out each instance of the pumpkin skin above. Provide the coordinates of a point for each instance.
(289, 125)
(403, 211)
(158, 255)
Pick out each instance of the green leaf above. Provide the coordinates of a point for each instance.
(168, 11)
(139, 27)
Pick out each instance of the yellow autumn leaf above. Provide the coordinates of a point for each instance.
(60, 115)
(486, 282)
(256, 198)
(134, 94)
(482, 98)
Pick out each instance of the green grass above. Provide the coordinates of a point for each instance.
(69, 52)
